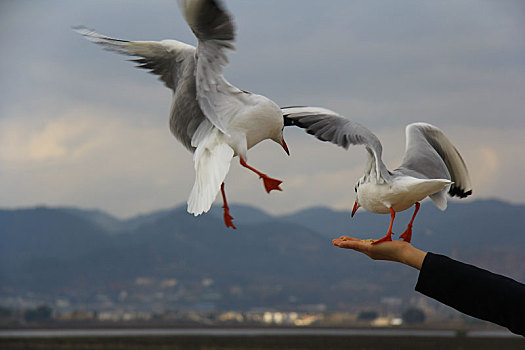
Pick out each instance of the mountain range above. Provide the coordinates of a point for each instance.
(268, 261)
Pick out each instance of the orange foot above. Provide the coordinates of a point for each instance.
(270, 183)
(228, 218)
(407, 235)
(387, 238)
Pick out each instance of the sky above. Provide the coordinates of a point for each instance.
(80, 126)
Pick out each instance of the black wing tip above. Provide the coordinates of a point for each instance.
(91, 34)
(143, 63)
(287, 121)
(290, 121)
(83, 30)
(292, 107)
(297, 121)
(214, 22)
(459, 192)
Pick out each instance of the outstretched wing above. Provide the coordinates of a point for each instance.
(162, 58)
(329, 126)
(430, 153)
(209, 21)
(212, 25)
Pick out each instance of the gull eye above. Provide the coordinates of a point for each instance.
(355, 189)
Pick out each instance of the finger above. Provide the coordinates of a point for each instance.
(337, 241)
(348, 238)
(355, 245)
(340, 243)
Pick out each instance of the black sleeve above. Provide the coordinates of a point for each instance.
(474, 291)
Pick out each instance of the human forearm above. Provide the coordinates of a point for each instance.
(412, 256)
(473, 291)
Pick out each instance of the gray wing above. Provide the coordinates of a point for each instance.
(220, 101)
(208, 20)
(430, 153)
(329, 126)
(162, 58)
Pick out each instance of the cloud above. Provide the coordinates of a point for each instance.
(491, 164)
(126, 168)
(56, 140)
(80, 126)
(92, 161)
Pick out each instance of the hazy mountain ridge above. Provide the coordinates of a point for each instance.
(269, 258)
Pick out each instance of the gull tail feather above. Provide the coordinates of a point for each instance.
(440, 198)
(212, 163)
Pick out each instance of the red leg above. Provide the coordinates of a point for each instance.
(227, 217)
(407, 235)
(388, 236)
(269, 183)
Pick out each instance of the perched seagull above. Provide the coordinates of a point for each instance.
(431, 166)
(209, 116)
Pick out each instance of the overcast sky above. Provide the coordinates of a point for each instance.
(81, 126)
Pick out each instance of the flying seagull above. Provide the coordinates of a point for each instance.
(431, 165)
(209, 116)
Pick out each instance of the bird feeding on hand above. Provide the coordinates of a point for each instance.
(431, 165)
(209, 116)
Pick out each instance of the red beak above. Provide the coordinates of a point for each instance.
(285, 146)
(356, 206)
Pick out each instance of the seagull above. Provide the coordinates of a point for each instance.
(431, 165)
(210, 117)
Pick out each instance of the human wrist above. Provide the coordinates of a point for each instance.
(412, 256)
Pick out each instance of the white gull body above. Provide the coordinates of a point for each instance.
(431, 165)
(209, 116)
(400, 194)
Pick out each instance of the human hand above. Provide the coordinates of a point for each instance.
(399, 251)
